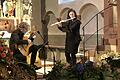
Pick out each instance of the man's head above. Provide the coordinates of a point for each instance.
(23, 26)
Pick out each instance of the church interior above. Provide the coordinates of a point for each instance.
(98, 54)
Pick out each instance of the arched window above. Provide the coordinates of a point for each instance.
(64, 1)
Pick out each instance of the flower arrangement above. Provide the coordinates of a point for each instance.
(109, 54)
(108, 61)
(10, 69)
(105, 70)
(6, 55)
(102, 58)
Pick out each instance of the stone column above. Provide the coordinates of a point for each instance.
(38, 8)
(118, 12)
(108, 19)
(18, 10)
(110, 31)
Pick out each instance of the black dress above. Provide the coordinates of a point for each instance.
(73, 39)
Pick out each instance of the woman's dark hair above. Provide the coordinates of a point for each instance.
(71, 10)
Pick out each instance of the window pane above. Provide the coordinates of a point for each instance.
(64, 1)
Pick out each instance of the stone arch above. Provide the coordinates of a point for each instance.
(46, 18)
(86, 5)
(53, 32)
(63, 13)
(49, 19)
(87, 11)
(45, 22)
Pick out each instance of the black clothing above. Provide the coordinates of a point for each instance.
(73, 39)
(33, 49)
(16, 40)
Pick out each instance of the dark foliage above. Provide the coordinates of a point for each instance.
(78, 72)
(113, 62)
(17, 71)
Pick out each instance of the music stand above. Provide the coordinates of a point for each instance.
(44, 52)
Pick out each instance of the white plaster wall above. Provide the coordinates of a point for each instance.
(52, 5)
(88, 12)
(77, 4)
(87, 9)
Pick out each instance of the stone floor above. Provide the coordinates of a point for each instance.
(44, 70)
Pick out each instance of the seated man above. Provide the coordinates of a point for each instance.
(17, 39)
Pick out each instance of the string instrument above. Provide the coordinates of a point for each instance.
(24, 49)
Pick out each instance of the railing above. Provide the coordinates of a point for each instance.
(97, 29)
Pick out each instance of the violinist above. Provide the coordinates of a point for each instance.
(17, 39)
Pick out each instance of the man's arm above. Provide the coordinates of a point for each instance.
(17, 40)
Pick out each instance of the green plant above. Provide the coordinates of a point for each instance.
(10, 69)
(90, 72)
(55, 73)
(109, 63)
(74, 73)
(6, 55)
